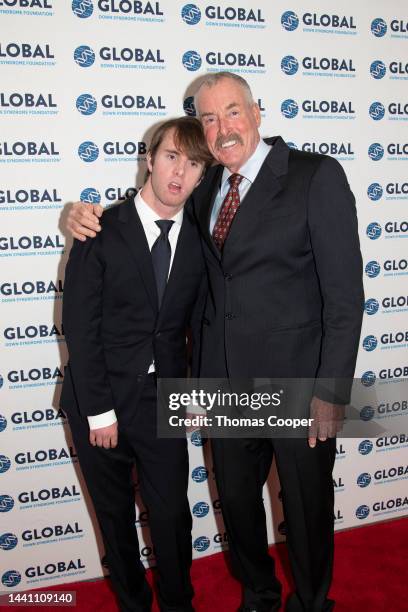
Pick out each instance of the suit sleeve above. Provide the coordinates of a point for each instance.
(336, 249)
(82, 319)
(196, 323)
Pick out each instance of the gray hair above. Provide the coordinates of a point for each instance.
(214, 78)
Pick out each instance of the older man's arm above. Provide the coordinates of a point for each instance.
(83, 220)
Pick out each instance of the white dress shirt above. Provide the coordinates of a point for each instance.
(249, 171)
(152, 231)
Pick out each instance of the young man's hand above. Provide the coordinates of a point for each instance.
(83, 220)
(106, 437)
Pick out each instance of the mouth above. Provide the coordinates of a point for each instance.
(228, 144)
(174, 187)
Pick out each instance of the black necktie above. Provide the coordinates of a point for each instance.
(161, 254)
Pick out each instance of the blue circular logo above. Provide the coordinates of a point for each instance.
(368, 378)
(8, 541)
(199, 474)
(1, 381)
(6, 503)
(289, 108)
(197, 439)
(371, 306)
(375, 151)
(289, 21)
(201, 544)
(377, 111)
(188, 107)
(191, 14)
(5, 464)
(3, 423)
(289, 65)
(365, 447)
(378, 70)
(88, 151)
(84, 56)
(367, 413)
(90, 195)
(370, 343)
(191, 61)
(11, 578)
(378, 27)
(373, 230)
(82, 8)
(363, 480)
(292, 145)
(86, 104)
(375, 192)
(362, 512)
(201, 509)
(372, 269)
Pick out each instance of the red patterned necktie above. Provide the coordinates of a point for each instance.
(227, 212)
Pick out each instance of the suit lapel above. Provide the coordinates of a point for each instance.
(211, 188)
(133, 234)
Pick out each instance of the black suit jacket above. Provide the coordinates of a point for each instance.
(286, 295)
(112, 323)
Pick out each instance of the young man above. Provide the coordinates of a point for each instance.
(280, 238)
(129, 297)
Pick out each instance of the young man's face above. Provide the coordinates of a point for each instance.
(230, 123)
(173, 176)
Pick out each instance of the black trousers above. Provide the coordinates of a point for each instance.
(162, 467)
(241, 469)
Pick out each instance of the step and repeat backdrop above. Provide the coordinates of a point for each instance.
(82, 83)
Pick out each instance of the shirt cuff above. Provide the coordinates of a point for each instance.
(102, 420)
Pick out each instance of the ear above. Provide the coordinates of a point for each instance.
(257, 113)
(149, 162)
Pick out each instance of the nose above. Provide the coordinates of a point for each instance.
(223, 127)
(180, 167)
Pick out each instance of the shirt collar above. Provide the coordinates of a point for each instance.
(252, 166)
(147, 214)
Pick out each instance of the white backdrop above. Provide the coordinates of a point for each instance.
(81, 85)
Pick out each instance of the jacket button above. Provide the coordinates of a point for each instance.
(229, 316)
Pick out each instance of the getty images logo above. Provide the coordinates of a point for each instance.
(86, 104)
(191, 61)
(190, 14)
(289, 108)
(84, 56)
(88, 151)
(289, 21)
(82, 8)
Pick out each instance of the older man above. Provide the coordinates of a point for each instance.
(280, 239)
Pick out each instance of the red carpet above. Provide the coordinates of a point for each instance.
(370, 575)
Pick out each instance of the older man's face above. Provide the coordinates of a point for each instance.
(230, 123)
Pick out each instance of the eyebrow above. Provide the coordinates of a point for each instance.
(231, 105)
(174, 151)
